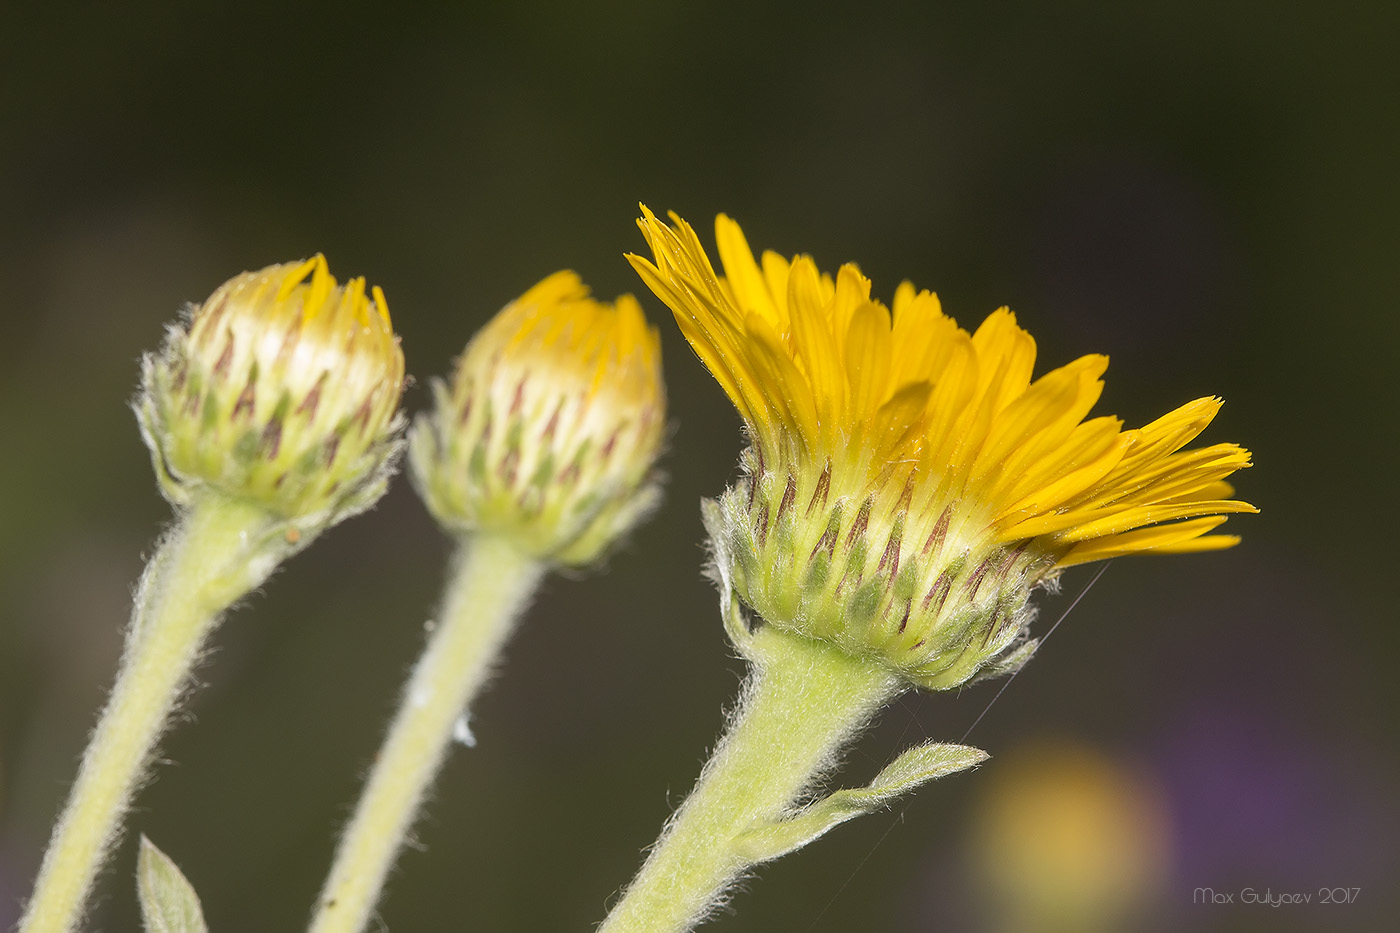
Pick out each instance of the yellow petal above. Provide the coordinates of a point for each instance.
(868, 358)
(1179, 538)
(745, 280)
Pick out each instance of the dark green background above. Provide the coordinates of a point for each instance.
(1207, 192)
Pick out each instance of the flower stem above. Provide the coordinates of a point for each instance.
(801, 704)
(203, 565)
(490, 583)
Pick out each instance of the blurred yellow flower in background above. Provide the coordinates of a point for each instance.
(1065, 839)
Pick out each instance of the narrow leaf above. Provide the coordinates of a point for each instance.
(168, 901)
(917, 766)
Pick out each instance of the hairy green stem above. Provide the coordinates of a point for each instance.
(799, 707)
(490, 583)
(203, 565)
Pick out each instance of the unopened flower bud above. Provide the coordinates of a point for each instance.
(551, 426)
(282, 388)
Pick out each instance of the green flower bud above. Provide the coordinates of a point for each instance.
(281, 389)
(551, 427)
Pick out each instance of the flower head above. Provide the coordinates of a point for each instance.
(283, 388)
(551, 427)
(909, 482)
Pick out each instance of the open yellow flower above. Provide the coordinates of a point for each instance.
(909, 482)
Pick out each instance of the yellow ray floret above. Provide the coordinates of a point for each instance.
(900, 405)
(351, 301)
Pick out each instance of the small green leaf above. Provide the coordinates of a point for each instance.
(916, 766)
(168, 902)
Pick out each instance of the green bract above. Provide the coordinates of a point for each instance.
(900, 588)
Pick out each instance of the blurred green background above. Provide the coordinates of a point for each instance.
(1206, 192)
